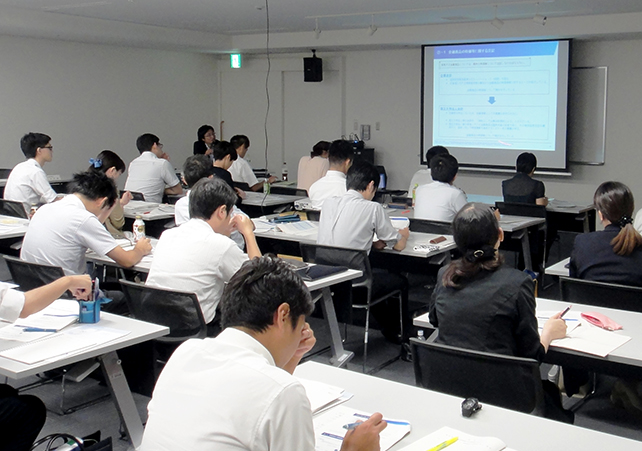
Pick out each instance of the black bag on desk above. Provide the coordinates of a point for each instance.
(315, 272)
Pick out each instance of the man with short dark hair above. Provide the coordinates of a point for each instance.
(240, 169)
(151, 174)
(199, 256)
(422, 176)
(27, 182)
(440, 200)
(340, 156)
(236, 391)
(195, 168)
(522, 187)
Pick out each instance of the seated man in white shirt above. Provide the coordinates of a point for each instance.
(422, 176)
(151, 174)
(199, 256)
(241, 170)
(440, 200)
(340, 156)
(314, 167)
(22, 416)
(351, 221)
(60, 233)
(236, 391)
(27, 182)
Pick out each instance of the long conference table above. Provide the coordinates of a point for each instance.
(428, 411)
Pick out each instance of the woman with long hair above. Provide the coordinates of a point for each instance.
(480, 304)
(614, 254)
(113, 166)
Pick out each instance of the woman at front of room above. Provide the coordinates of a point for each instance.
(480, 304)
(206, 140)
(614, 254)
(113, 166)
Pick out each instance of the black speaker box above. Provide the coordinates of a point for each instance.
(312, 69)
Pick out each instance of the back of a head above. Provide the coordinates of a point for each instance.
(202, 131)
(240, 140)
(195, 168)
(30, 142)
(360, 175)
(433, 152)
(106, 160)
(94, 185)
(340, 151)
(223, 149)
(443, 168)
(476, 231)
(207, 195)
(145, 142)
(615, 201)
(319, 148)
(526, 163)
(254, 294)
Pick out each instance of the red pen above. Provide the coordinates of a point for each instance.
(405, 211)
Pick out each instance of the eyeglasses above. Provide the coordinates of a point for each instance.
(160, 146)
(47, 147)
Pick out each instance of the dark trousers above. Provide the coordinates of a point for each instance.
(21, 419)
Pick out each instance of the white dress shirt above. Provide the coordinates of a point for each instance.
(27, 183)
(150, 175)
(11, 303)
(242, 172)
(438, 201)
(351, 221)
(333, 184)
(196, 259)
(226, 394)
(421, 177)
(311, 170)
(60, 233)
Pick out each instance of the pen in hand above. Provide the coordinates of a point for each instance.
(565, 311)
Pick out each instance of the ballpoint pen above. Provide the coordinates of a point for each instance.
(444, 444)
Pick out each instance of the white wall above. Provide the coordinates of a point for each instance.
(93, 97)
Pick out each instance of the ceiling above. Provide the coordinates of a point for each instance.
(242, 17)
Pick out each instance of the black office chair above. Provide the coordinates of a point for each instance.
(177, 310)
(13, 208)
(137, 196)
(428, 226)
(362, 288)
(31, 275)
(601, 294)
(505, 381)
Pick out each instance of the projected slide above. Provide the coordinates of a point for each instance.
(493, 96)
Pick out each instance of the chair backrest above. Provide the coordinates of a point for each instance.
(178, 310)
(339, 256)
(13, 208)
(601, 294)
(428, 226)
(288, 191)
(32, 275)
(4, 173)
(505, 381)
(520, 209)
(313, 215)
(137, 196)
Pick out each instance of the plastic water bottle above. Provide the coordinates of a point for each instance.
(284, 173)
(139, 228)
(420, 335)
(266, 187)
(414, 194)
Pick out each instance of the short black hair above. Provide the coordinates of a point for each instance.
(360, 175)
(526, 162)
(239, 140)
(256, 291)
(145, 142)
(443, 168)
(433, 152)
(202, 131)
(108, 159)
(195, 168)
(93, 185)
(222, 149)
(30, 142)
(207, 195)
(319, 148)
(340, 151)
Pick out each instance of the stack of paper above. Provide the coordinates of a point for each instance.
(299, 227)
(55, 317)
(323, 396)
(465, 442)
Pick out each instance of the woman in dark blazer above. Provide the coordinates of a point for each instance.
(206, 140)
(614, 254)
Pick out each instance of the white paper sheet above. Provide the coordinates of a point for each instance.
(465, 442)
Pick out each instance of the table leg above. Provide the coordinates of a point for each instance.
(122, 396)
(340, 356)
(526, 249)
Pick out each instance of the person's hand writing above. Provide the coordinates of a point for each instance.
(125, 198)
(80, 286)
(144, 245)
(554, 328)
(365, 437)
